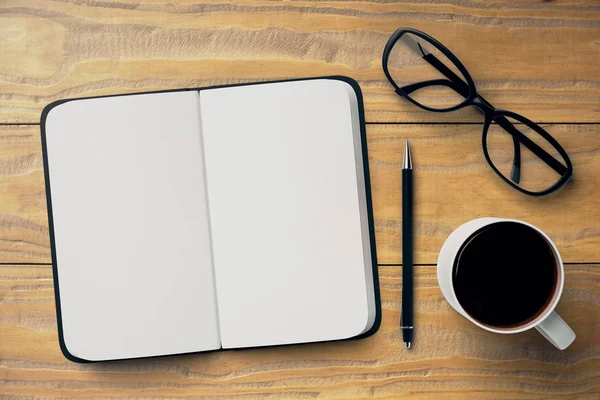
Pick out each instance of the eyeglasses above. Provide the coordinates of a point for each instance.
(520, 151)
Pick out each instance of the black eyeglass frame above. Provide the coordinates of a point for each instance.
(490, 113)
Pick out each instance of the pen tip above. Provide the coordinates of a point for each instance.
(407, 164)
(407, 344)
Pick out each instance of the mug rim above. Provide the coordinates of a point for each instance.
(557, 293)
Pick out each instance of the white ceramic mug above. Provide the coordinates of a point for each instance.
(548, 323)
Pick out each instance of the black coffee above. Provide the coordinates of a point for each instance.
(505, 275)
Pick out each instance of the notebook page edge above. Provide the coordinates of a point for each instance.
(364, 218)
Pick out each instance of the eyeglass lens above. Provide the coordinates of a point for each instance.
(412, 64)
(534, 175)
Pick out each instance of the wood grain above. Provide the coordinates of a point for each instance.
(453, 184)
(539, 59)
(451, 358)
(23, 216)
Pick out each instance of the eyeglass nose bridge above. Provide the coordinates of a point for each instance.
(484, 107)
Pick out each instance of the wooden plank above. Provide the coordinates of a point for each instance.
(23, 217)
(453, 185)
(538, 59)
(452, 359)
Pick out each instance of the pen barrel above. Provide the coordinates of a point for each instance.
(407, 250)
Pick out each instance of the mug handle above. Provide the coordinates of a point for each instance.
(556, 331)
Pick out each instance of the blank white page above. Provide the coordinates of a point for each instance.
(131, 226)
(288, 213)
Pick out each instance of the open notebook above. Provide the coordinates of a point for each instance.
(206, 219)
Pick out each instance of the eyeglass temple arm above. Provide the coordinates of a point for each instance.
(463, 90)
(458, 85)
(531, 145)
(504, 123)
(518, 136)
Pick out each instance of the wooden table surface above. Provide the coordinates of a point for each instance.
(540, 59)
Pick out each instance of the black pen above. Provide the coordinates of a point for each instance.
(406, 316)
